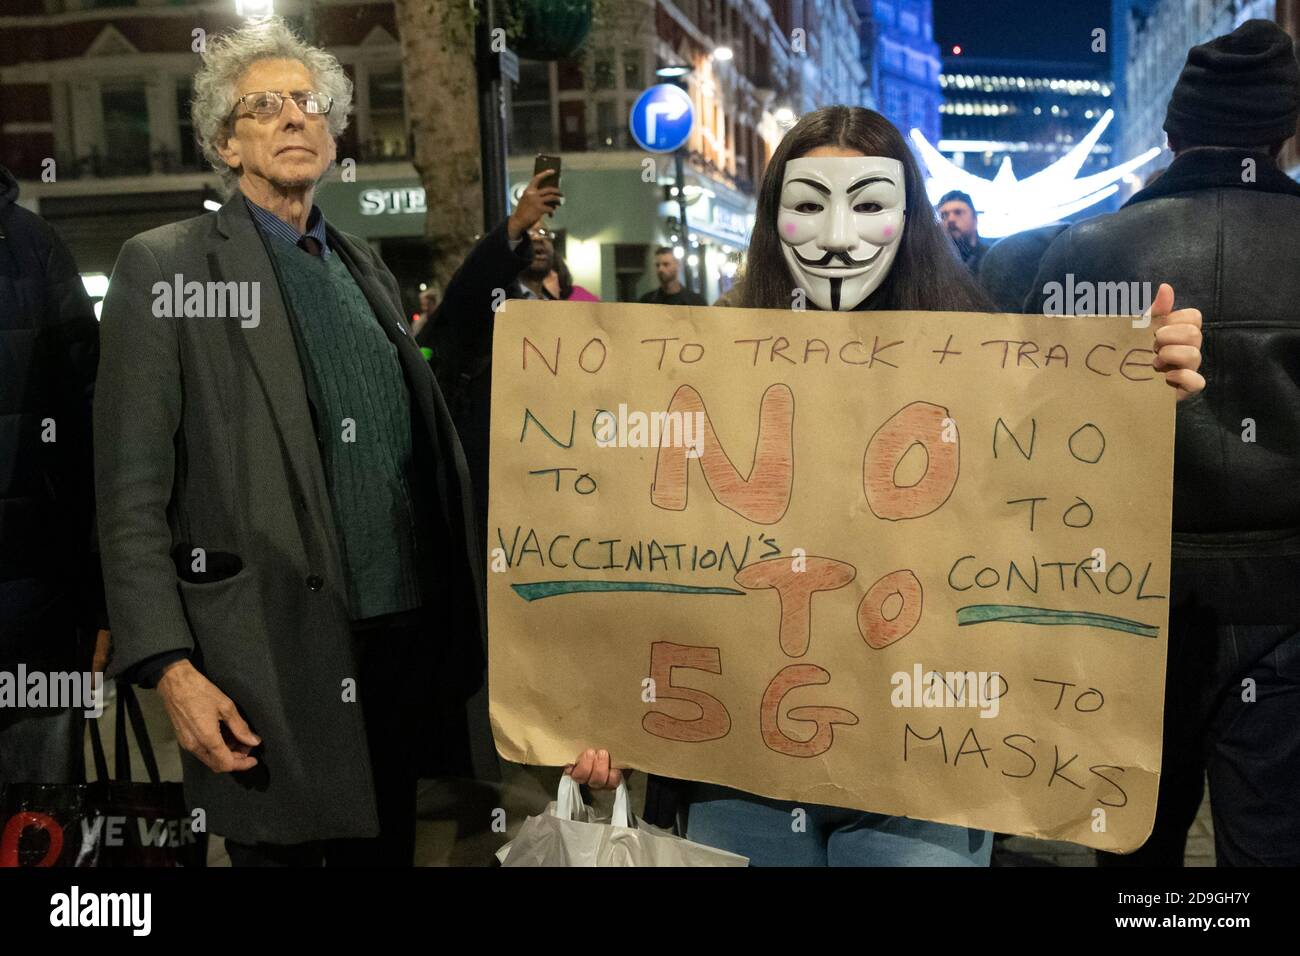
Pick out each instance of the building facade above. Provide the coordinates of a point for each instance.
(781, 59)
(1031, 141)
(94, 121)
(94, 115)
(1029, 112)
(903, 63)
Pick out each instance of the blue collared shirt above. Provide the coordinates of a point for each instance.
(272, 225)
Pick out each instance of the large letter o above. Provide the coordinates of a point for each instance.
(919, 423)
(880, 631)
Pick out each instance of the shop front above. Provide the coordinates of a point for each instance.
(606, 230)
(720, 221)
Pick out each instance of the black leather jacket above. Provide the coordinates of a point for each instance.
(49, 348)
(1222, 226)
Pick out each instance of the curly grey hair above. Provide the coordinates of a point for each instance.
(225, 60)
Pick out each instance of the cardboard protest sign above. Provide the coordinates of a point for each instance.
(915, 564)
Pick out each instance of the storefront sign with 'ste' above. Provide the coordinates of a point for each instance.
(718, 220)
(400, 201)
(729, 221)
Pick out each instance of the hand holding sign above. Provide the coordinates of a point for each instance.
(1178, 343)
(592, 768)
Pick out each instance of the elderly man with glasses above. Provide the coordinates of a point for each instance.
(285, 511)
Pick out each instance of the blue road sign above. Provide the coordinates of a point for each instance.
(661, 118)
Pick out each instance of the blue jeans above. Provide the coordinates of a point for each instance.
(765, 831)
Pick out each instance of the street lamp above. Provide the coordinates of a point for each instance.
(254, 9)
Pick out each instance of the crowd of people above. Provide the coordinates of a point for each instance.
(274, 513)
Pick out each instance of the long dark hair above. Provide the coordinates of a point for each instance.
(926, 274)
(564, 276)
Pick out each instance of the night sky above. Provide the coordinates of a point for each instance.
(1021, 29)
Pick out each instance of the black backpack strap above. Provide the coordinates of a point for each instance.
(121, 752)
(97, 750)
(126, 695)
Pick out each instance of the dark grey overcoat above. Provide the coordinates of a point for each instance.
(204, 436)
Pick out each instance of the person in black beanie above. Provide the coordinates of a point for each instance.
(1222, 224)
(1240, 90)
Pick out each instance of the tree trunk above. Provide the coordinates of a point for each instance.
(437, 39)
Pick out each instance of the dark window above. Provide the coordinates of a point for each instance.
(387, 116)
(348, 148)
(762, 65)
(126, 129)
(781, 13)
(602, 69)
(534, 81)
(610, 125)
(573, 126)
(189, 150)
(569, 75)
(629, 267)
(631, 68)
(530, 130)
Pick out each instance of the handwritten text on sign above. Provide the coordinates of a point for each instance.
(909, 563)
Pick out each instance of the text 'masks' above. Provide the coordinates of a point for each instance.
(840, 222)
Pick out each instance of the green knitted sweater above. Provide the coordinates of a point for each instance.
(365, 429)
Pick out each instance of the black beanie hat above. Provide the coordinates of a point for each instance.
(1242, 89)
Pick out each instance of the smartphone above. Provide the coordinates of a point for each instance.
(544, 163)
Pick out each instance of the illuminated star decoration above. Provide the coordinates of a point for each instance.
(1006, 204)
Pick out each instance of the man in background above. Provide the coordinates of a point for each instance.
(670, 291)
(428, 304)
(512, 261)
(957, 213)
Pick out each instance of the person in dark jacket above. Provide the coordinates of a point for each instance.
(670, 290)
(1008, 268)
(962, 223)
(51, 597)
(1223, 225)
(284, 507)
(460, 332)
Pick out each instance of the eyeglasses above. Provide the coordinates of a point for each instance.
(539, 233)
(269, 102)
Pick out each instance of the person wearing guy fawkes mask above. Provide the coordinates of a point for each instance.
(843, 216)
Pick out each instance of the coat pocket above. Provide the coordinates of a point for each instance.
(218, 611)
(200, 566)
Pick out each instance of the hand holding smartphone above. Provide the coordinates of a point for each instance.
(541, 197)
(543, 163)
